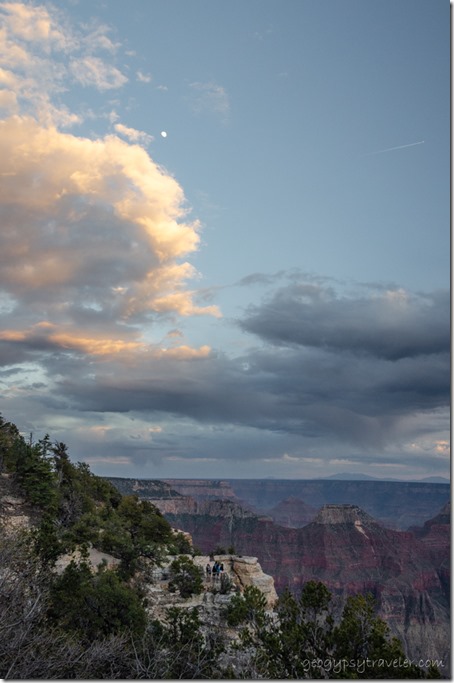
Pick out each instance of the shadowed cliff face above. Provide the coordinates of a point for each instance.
(292, 512)
(436, 537)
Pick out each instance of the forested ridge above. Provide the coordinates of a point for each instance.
(85, 622)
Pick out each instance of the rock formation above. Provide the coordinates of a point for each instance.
(351, 553)
(203, 489)
(94, 558)
(15, 512)
(242, 570)
(344, 545)
(246, 571)
(395, 504)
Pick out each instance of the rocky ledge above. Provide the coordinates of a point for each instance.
(242, 571)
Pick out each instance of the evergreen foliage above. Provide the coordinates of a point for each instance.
(181, 545)
(92, 624)
(186, 577)
(94, 606)
(249, 607)
(303, 640)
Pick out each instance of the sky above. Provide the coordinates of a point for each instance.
(225, 235)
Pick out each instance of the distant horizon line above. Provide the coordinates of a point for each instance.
(367, 478)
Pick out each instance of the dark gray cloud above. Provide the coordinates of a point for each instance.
(311, 393)
(392, 324)
(363, 394)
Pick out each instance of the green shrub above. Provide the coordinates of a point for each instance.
(248, 607)
(219, 550)
(95, 605)
(180, 545)
(186, 577)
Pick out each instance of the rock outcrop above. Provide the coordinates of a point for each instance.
(351, 552)
(242, 572)
(94, 558)
(145, 488)
(435, 533)
(202, 489)
(15, 512)
(246, 571)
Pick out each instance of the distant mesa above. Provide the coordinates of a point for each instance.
(344, 514)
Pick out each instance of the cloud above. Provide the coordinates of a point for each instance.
(317, 396)
(95, 235)
(41, 53)
(95, 252)
(353, 395)
(210, 98)
(93, 71)
(388, 324)
(100, 224)
(34, 24)
(143, 78)
(133, 135)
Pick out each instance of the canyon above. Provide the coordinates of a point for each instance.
(396, 504)
(390, 539)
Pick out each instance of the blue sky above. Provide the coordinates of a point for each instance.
(261, 291)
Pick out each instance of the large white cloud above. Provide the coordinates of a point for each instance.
(97, 222)
(95, 234)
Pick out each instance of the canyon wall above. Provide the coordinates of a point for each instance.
(344, 546)
(350, 552)
(397, 504)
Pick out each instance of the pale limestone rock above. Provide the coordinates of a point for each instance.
(95, 557)
(13, 515)
(242, 571)
(249, 573)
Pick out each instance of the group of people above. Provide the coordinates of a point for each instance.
(216, 571)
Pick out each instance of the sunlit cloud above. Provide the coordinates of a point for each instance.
(45, 336)
(92, 71)
(95, 234)
(42, 56)
(133, 135)
(99, 220)
(34, 24)
(442, 447)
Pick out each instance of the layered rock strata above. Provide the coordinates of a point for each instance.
(351, 553)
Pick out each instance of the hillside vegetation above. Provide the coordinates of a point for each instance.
(80, 622)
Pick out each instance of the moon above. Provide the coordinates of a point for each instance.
(163, 133)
